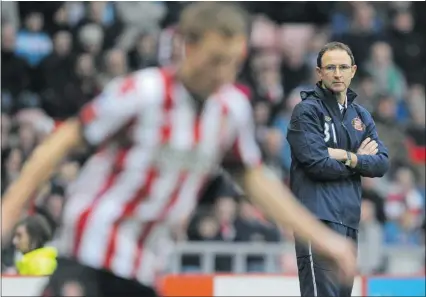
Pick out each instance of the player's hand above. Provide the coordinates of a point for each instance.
(343, 252)
(368, 147)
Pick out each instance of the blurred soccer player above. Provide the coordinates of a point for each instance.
(156, 136)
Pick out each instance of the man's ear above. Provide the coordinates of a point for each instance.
(318, 71)
(354, 68)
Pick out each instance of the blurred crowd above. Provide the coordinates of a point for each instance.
(56, 56)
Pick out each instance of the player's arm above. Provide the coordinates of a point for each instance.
(270, 195)
(306, 138)
(37, 170)
(98, 120)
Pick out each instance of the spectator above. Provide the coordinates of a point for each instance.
(50, 204)
(32, 43)
(389, 130)
(82, 87)
(60, 20)
(271, 147)
(416, 130)
(115, 65)
(378, 202)
(75, 12)
(96, 14)
(268, 87)
(139, 17)
(27, 139)
(29, 239)
(144, 53)
(366, 89)
(404, 207)
(371, 235)
(15, 76)
(282, 122)
(407, 47)
(314, 46)
(12, 160)
(388, 78)
(56, 70)
(226, 214)
(90, 40)
(207, 229)
(295, 71)
(362, 33)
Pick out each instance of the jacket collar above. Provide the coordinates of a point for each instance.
(330, 98)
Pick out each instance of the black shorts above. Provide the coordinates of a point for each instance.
(74, 279)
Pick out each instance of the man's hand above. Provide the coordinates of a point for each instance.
(368, 147)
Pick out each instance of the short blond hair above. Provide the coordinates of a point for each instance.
(201, 17)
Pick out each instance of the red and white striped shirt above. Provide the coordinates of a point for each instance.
(120, 210)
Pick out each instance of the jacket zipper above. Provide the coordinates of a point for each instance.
(346, 129)
(343, 118)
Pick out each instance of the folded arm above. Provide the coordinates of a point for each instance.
(373, 165)
(306, 138)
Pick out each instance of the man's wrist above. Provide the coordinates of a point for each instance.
(342, 155)
(348, 159)
(354, 160)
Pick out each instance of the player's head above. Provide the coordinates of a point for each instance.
(214, 37)
(336, 66)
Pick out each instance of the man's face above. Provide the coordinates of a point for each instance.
(336, 70)
(226, 209)
(35, 22)
(213, 61)
(21, 239)
(62, 43)
(8, 38)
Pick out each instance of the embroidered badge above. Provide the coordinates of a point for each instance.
(327, 118)
(358, 124)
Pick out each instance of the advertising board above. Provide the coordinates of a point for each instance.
(239, 285)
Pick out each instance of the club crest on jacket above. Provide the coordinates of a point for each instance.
(358, 124)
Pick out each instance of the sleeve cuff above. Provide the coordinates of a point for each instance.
(361, 164)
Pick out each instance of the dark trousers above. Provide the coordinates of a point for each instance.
(74, 279)
(318, 276)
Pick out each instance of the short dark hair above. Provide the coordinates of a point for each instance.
(334, 46)
(200, 17)
(38, 230)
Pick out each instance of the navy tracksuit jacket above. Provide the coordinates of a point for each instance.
(328, 188)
